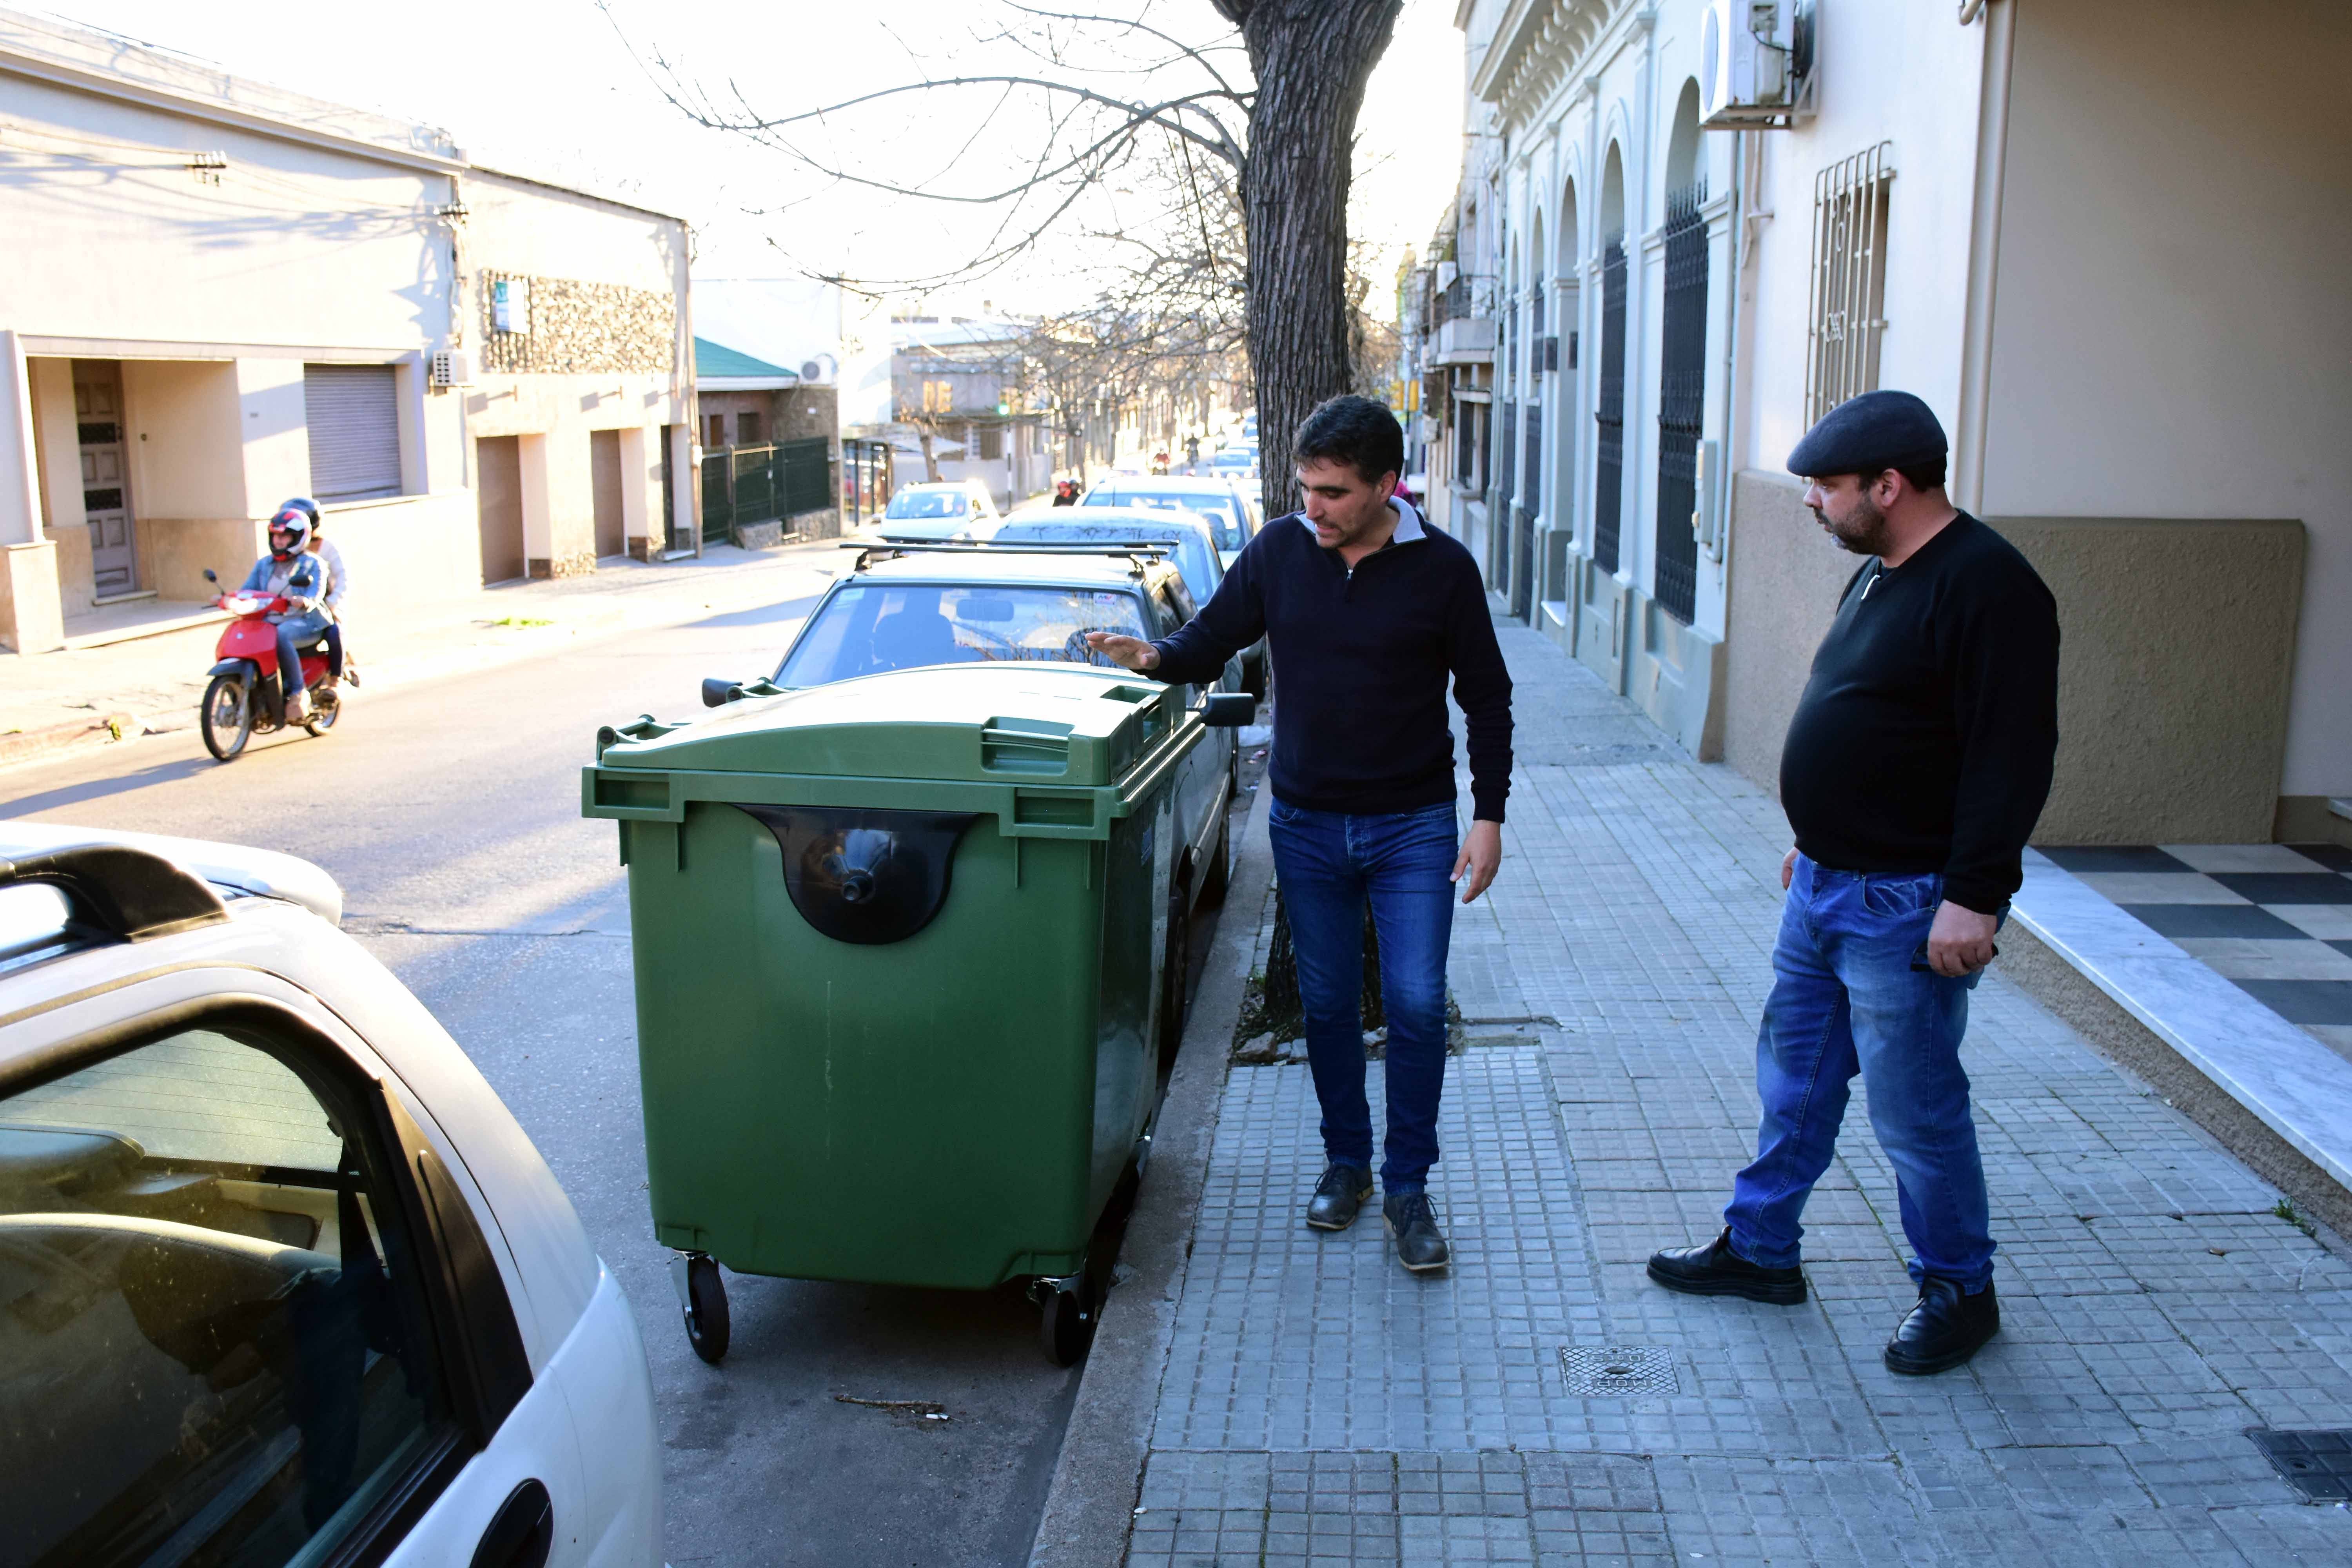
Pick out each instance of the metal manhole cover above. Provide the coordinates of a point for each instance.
(1617, 1371)
(2315, 1462)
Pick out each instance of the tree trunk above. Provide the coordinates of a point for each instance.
(1312, 59)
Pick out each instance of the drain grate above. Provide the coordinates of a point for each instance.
(1616, 1372)
(2316, 1462)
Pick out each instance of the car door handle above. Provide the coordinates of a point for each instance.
(523, 1531)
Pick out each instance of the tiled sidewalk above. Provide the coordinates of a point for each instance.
(1544, 1403)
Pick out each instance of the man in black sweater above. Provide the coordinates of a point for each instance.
(1916, 764)
(1366, 612)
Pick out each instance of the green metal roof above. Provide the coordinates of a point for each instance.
(713, 360)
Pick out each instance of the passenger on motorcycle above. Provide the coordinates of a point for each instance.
(337, 582)
(288, 573)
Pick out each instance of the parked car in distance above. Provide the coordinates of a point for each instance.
(285, 1282)
(1249, 426)
(1233, 463)
(1201, 534)
(902, 611)
(940, 509)
(1229, 504)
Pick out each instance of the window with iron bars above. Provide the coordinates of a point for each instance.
(1609, 456)
(1849, 288)
(1682, 398)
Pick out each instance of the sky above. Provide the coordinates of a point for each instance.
(573, 91)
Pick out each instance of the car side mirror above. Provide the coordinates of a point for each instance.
(1227, 709)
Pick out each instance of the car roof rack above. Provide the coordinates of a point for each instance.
(1135, 553)
(125, 893)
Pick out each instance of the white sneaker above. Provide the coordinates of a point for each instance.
(297, 712)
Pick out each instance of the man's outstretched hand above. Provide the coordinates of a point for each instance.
(1131, 653)
(1481, 857)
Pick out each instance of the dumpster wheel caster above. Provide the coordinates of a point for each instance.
(705, 1308)
(1067, 1326)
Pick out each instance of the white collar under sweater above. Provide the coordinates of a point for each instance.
(1408, 527)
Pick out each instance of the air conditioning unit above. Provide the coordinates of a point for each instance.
(1756, 64)
(452, 367)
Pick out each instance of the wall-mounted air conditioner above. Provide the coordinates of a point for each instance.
(452, 367)
(1756, 64)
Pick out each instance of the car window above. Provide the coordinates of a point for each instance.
(212, 1335)
(927, 503)
(869, 627)
(1194, 557)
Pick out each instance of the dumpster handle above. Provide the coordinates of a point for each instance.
(644, 727)
(1173, 751)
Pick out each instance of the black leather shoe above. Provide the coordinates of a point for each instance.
(1337, 1197)
(1944, 1330)
(1413, 1220)
(1714, 1270)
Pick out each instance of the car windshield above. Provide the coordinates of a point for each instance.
(926, 503)
(868, 627)
(1195, 562)
(1209, 505)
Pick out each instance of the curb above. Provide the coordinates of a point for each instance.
(32, 745)
(1098, 1474)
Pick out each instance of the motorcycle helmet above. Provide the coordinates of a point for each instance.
(290, 519)
(304, 505)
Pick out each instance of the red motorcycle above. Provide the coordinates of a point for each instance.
(244, 700)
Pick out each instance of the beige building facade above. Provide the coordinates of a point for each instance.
(2103, 240)
(220, 295)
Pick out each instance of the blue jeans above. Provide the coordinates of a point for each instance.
(1852, 993)
(294, 634)
(1328, 863)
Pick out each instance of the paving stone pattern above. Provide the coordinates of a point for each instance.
(1319, 1405)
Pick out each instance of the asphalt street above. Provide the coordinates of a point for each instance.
(450, 813)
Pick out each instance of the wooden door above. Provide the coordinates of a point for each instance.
(497, 491)
(605, 481)
(105, 478)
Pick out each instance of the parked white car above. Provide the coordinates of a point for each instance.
(281, 1279)
(940, 509)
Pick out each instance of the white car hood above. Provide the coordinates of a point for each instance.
(265, 873)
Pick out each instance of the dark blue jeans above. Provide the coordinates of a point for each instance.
(1846, 998)
(1328, 863)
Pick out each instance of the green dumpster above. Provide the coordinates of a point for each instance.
(897, 946)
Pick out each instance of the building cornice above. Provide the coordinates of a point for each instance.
(1535, 47)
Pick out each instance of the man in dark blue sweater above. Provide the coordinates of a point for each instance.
(1366, 612)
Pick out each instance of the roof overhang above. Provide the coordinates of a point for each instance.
(745, 383)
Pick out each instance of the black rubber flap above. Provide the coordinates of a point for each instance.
(864, 876)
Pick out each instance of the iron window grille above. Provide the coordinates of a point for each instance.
(1508, 437)
(1609, 461)
(1681, 399)
(1849, 285)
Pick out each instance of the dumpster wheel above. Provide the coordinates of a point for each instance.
(1065, 1326)
(705, 1301)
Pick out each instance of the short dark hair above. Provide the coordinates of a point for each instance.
(1352, 430)
(1924, 475)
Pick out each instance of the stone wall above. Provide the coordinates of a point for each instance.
(581, 329)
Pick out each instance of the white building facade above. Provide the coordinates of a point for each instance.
(2102, 239)
(220, 295)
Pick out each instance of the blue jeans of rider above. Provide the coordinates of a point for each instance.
(295, 633)
(1852, 993)
(1328, 864)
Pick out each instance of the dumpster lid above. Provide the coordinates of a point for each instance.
(1067, 725)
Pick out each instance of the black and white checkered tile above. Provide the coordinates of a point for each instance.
(2274, 919)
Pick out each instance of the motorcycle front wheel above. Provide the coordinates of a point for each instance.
(227, 716)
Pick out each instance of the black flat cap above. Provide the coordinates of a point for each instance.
(1869, 435)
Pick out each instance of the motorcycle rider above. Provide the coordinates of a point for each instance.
(289, 572)
(338, 581)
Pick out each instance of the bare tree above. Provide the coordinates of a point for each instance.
(1281, 142)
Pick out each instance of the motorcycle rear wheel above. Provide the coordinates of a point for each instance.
(323, 715)
(226, 715)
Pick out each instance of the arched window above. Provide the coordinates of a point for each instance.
(1609, 410)
(1682, 365)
